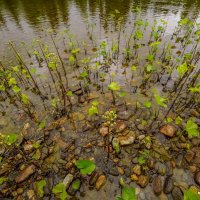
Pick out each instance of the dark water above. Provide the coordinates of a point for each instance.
(25, 20)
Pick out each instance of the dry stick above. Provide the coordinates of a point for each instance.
(60, 60)
(19, 57)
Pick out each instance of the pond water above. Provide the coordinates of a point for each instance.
(72, 61)
(24, 20)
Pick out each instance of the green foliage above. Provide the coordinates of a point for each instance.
(84, 74)
(160, 100)
(182, 69)
(24, 98)
(114, 86)
(147, 104)
(12, 81)
(128, 193)
(76, 184)
(69, 94)
(61, 190)
(190, 194)
(85, 166)
(122, 94)
(195, 89)
(40, 187)
(150, 68)
(133, 68)
(16, 89)
(178, 120)
(10, 138)
(42, 124)
(192, 128)
(93, 110)
(3, 180)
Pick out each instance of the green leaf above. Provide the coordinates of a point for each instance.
(178, 120)
(52, 65)
(133, 68)
(169, 119)
(2, 88)
(10, 139)
(182, 69)
(122, 94)
(160, 100)
(12, 81)
(60, 189)
(114, 86)
(33, 71)
(128, 193)
(24, 99)
(93, 110)
(42, 124)
(37, 155)
(76, 184)
(141, 159)
(84, 74)
(150, 68)
(95, 103)
(40, 187)
(147, 104)
(190, 194)
(16, 89)
(192, 128)
(3, 180)
(36, 145)
(85, 166)
(69, 94)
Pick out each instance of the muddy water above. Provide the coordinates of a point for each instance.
(23, 20)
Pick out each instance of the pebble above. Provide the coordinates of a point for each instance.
(120, 126)
(157, 185)
(67, 180)
(134, 177)
(120, 170)
(25, 173)
(197, 177)
(101, 181)
(103, 131)
(143, 181)
(160, 168)
(127, 139)
(177, 194)
(137, 170)
(163, 196)
(168, 185)
(168, 130)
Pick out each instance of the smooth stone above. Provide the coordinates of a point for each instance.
(93, 178)
(197, 177)
(177, 194)
(67, 180)
(160, 168)
(157, 185)
(101, 181)
(168, 130)
(143, 181)
(163, 196)
(25, 173)
(134, 177)
(127, 139)
(137, 170)
(168, 185)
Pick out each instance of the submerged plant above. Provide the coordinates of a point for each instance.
(86, 166)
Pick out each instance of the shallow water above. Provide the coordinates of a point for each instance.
(23, 20)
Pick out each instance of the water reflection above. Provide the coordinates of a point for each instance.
(24, 19)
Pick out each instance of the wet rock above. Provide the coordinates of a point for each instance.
(157, 185)
(160, 168)
(120, 126)
(168, 185)
(151, 163)
(103, 131)
(127, 139)
(28, 147)
(124, 115)
(197, 177)
(93, 178)
(177, 194)
(81, 99)
(120, 170)
(137, 170)
(169, 169)
(134, 177)
(113, 171)
(101, 181)
(143, 181)
(25, 173)
(168, 130)
(163, 196)
(20, 190)
(193, 168)
(68, 179)
(179, 160)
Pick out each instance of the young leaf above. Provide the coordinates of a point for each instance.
(133, 68)
(60, 189)
(128, 193)
(10, 139)
(160, 100)
(192, 128)
(93, 110)
(42, 124)
(40, 187)
(182, 69)
(12, 81)
(147, 104)
(76, 184)
(16, 89)
(69, 93)
(85, 166)
(190, 194)
(114, 86)
(2, 180)
(24, 99)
